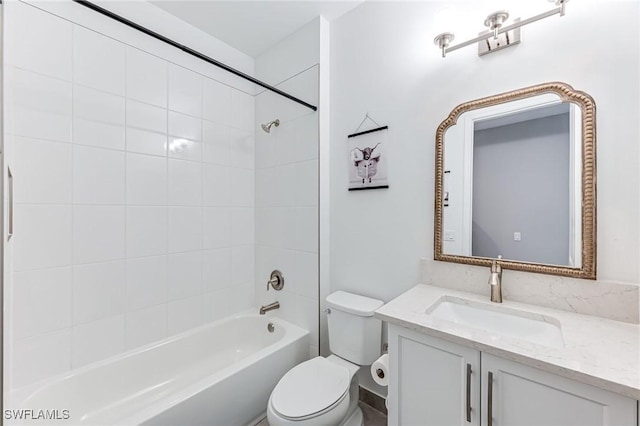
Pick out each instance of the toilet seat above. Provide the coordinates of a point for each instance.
(310, 389)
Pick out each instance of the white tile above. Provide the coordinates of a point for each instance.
(265, 187)
(185, 314)
(41, 301)
(241, 111)
(272, 224)
(216, 269)
(146, 117)
(216, 185)
(146, 282)
(38, 92)
(266, 106)
(98, 176)
(50, 126)
(42, 171)
(286, 143)
(146, 180)
(98, 291)
(306, 137)
(147, 78)
(242, 188)
(38, 41)
(265, 262)
(184, 149)
(40, 357)
(242, 265)
(307, 316)
(97, 340)
(306, 229)
(216, 101)
(285, 185)
(185, 275)
(216, 227)
(306, 86)
(265, 149)
(33, 98)
(242, 149)
(287, 219)
(98, 61)
(185, 229)
(145, 326)
(98, 233)
(185, 91)
(185, 183)
(95, 105)
(216, 143)
(185, 126)
(97, 134)
(306, 183)
(146, 142)
(215, 305)
(42, 237)
(306, 274)
(147, 228)
(242, 226)
(244, 297)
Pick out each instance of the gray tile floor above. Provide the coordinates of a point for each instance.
(372, 417)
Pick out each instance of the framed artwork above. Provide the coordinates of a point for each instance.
(368, 159)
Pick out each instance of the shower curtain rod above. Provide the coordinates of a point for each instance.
(191, 52)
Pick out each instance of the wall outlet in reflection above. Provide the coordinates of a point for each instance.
(449, 235)
(517, 236)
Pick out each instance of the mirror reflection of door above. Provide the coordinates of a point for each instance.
(513, 182)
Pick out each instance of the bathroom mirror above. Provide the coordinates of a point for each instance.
(515, 177)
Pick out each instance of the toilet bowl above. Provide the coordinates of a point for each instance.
(324, 391)
(317, 392)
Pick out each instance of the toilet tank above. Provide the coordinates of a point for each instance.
(354, 334)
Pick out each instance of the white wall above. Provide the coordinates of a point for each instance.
(287, 180)
(134, 192)
(383, 62)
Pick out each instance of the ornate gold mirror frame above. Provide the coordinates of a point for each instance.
(588, 109)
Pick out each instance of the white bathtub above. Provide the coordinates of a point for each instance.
(218, 374)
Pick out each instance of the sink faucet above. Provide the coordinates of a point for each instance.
(270, 307)
(495, 281)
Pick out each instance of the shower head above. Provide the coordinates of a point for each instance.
(267, 126)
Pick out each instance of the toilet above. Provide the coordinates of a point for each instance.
(324, 391)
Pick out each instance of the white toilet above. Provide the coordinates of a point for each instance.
(324, 391)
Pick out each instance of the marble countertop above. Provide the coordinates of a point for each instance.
(599, 352)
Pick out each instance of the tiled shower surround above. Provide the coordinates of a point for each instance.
(134, 191)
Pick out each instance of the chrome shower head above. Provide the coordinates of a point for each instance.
(267, 126)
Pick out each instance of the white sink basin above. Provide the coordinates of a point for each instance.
(499, 321)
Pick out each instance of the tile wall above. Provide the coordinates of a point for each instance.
(287, 201)
(134, 197)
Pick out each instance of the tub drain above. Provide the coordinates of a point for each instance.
(271, 327)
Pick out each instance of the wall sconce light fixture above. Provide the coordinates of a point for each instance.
(497, 36)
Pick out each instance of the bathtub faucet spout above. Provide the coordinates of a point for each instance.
(269, 307)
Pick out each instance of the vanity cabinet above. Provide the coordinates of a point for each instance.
(436, 382)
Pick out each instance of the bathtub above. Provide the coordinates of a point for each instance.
(218, 374)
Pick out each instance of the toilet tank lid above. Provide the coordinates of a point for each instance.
(353, 303)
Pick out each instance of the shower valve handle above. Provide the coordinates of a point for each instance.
(276, 280)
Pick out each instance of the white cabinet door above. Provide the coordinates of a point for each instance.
(516, 395)
(432, 382)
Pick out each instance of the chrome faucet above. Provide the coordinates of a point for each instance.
(495, 281)
(270, 307)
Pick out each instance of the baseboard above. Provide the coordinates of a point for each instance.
(372, 400)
